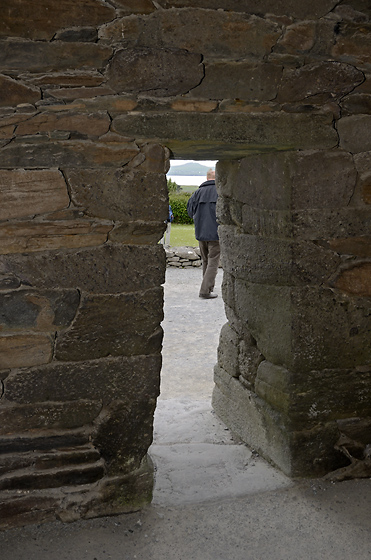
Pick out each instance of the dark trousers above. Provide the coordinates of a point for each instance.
(210, 254)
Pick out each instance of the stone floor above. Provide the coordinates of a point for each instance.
(195, 455)
(214, 498)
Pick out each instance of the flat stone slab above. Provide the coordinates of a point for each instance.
(196, 459)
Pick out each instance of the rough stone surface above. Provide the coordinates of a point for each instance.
(161, 72)
(318, 83)
(356, 280)
(223, 135)
(113, 194)
(46, 17)
(24, 350)
(112, 326)
(47, 416)
(239, 80)
(295, 9)
(355, 134)
(87, 380)
(91, 125)
(13, 93)
(26, 237)
(19, 56)
(96, 97)
(25, 192)
(51, 153)
(37, 311)
(110, 269)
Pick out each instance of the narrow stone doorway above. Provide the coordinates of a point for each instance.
(196, 458)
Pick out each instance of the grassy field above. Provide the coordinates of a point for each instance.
(183, 235)
(188, 188)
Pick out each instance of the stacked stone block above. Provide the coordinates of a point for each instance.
(297, 306)
(95, 97)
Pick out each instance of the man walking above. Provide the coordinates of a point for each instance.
(201, 207)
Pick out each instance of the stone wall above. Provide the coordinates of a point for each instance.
(95, 96)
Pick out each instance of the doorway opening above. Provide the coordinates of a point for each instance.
(195, 455)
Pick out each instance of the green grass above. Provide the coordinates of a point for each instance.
(189, 188)
(183, 235)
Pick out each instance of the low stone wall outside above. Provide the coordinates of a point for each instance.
(183, 257)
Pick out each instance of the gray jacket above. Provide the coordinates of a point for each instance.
(202, 208)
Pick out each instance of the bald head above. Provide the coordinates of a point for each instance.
(210, 175)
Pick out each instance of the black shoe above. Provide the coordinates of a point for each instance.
(208, 296)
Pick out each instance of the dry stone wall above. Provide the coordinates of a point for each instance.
(95, 97)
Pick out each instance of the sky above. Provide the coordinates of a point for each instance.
(175, 162)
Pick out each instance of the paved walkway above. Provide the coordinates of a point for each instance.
(214, 499)
(196, 458)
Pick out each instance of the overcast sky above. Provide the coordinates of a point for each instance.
(175, 162)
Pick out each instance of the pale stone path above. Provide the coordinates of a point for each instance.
(194, 453)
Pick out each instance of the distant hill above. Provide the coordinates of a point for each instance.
(188, 169)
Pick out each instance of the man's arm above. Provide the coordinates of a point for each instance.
(191, 206)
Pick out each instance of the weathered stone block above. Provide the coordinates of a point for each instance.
(134, 6)
(68, 476)
(159, 72)
(50, 416)
(306, 329)
(114, 194)
(221, 135)
(138, 233)
(249, 358)
(83, 34)
(273, 384)
(127, 324)
(40, 20)
(355, 133)
(355, 280)
(39, 56)
(239, 80)
(314, 397)
(95, 124)
(13, 92)
(25, 192)
(128, 379)
(319, 82)
(124, 435)
(276, 261)
(319, 224)
(37, 310)
(267, 223)
(253, 420)
(101, 270)
(156, 158)
(352, 43)
(298, 38)
(322, 396)
(68, 79)
(194, 105)
(228, 350)
(356, 103)
(269, 432)
(295, 9)
(304, 180)
(356, 246)
(6, 133)
(26, 237)
(210, 32)
(25, 350)
(40, 442)
(78, 93)
(73, 153)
